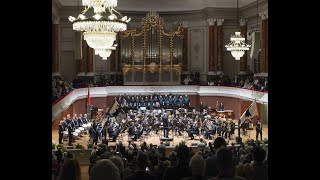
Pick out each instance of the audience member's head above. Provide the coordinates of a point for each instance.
(197, 165)
(259, 155)
(142, 160)
(104, 169)
(118, 162)
(248, 171)
(224, 159)
(70, 170)
(183, 153)
(69, 155)
(219, 142)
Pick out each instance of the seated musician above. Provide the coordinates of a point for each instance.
(194, 129)
(113, 131)
(180, 126)
(156, 124)
(145, 126)
(224, 129)
(208, 128)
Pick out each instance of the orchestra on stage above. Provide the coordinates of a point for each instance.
(149, 114)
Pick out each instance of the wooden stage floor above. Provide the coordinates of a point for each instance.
(155, 138)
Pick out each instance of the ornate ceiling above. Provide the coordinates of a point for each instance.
(168, 5)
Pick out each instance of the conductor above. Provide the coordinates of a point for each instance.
(165, 125)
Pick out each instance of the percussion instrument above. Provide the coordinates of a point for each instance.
(65, 134)
(85, 126)
(77, 131)
(221, 113)
(89, 125)
(81, 129)
(229, 113)
(75, 134)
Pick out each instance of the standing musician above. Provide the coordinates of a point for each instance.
(219, 123)
(232, 127)
(84, 119)
(70, 133)
(80, 120)
(186, 102)
(61, 129)
(239, 127)
(259, 129)
(95, 132)
(68, 120)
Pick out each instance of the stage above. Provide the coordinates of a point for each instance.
(155, 138)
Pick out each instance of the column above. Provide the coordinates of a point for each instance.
(90, 61)
(185, 46)
(112, 59)
(211, 46)
(55, 47)
(82, 60)
(219, 46)
(243, 59)
(264, 42)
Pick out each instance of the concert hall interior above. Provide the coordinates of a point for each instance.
(158, 76)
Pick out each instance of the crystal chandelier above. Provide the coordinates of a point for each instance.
(237, 46)
(99, 31)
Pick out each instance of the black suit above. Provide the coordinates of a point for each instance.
(61, 129)
(259, 130)
(70, 135)
(165, 126)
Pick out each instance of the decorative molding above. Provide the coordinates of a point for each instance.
(219, 21)
(185, 24)
(243, 22)
(264, 15)
(211, 21)
(81, 74)
(211, 73)
(55, 20)
(55, 74)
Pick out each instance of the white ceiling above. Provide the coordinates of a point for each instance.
(168, 5)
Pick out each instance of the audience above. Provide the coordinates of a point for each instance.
(70, 170)
(216, 161)
(225, 165)
(181, 170)
(197, 165)
(211, 168)
(60, 87)
(105, 169)
(142, 171)
(242, 81)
